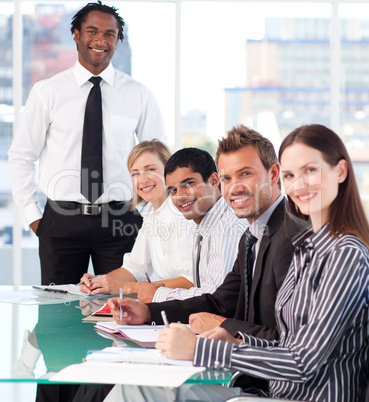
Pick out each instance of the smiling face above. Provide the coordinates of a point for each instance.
(147, 175)
(246, 185)
(97, 41)
(311, 182)
(190, 194)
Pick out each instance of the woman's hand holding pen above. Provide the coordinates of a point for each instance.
(134, 312)
(105, 284)
(85, 282)
(177, 342)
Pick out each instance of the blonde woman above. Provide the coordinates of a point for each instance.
(164, 243)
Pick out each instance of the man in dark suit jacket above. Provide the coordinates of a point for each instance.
(249, 173)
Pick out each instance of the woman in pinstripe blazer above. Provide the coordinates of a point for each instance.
(322, 309)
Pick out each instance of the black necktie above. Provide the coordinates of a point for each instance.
(197, 239)
(91, 160)
(250, 240)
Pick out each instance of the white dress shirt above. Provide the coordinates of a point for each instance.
(162, 245)
(221, 232)
(51, 131)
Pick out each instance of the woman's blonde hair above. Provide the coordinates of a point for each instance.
(153, 146)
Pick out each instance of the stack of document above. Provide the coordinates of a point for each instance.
(124, 365)
(133, 355)
(143, 335)
(103, 314)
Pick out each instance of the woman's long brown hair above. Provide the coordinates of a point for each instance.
(346, 213)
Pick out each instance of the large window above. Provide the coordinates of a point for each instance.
(211, 65)
(6, 132)
(354, 101)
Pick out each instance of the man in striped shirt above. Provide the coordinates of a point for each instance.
(193, 183)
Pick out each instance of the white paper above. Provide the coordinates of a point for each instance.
(127, 373)
(133, 355)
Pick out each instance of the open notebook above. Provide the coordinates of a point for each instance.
(143, 335)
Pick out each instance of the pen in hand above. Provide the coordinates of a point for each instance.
(147, 277)
(165, 319)
(121, 298)
(92, 277)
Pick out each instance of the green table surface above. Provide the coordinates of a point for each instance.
(63, 339)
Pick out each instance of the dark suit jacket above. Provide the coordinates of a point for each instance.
(273, 260)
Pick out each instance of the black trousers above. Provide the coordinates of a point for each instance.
(68, 239)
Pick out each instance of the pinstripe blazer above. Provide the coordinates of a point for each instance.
(322, 313)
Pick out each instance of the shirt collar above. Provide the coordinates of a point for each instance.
(257, 228)
(212, 216)
(82, 75)
(320, 241)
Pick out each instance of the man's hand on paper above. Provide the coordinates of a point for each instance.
(220, 334)
(201, 322)
(146, 291)
(134, 312)
(177, 342)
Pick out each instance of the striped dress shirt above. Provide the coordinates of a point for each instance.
(322, 315)
(221, 232)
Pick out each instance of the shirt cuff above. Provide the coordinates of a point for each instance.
(161, 294)
(31, 213)
(212, 353)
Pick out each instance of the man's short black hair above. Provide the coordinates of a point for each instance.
(198, 160)
(81, 15)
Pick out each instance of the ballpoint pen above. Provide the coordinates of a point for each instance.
(147, 277)
(165, 319)
(121, 298)
(92, 277)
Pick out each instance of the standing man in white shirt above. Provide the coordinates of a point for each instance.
(193, 183)
(75, 227)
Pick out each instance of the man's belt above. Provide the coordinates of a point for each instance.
(88, 209)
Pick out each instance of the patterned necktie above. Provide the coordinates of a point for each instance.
(197, 239)
(91, 159)
(250, 240)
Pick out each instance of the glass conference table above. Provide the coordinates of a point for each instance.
(39, 340)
